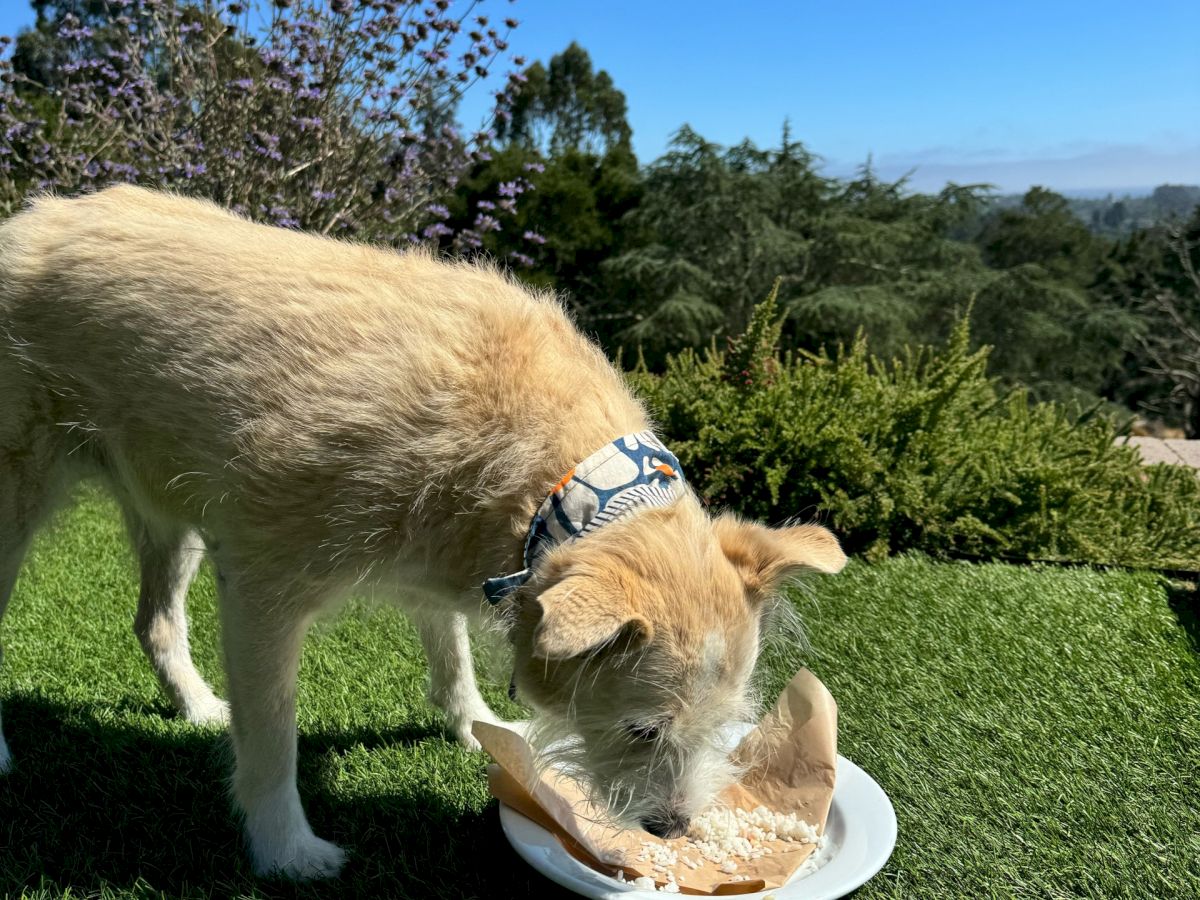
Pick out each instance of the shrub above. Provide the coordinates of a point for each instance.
(328, 115)
(924, 451)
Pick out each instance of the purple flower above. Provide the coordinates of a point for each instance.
(485, 223)
(437, 230)
(521, 259)
(265, 145)
(283, 217)
(533, 237)
(389, 63)
(74, 32)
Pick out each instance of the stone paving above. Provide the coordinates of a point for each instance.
(1156, 450)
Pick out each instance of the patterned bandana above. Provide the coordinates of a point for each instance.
(632, 472)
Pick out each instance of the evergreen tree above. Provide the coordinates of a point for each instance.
(569, 139)
(1153, 276)
(1050, 329)
(1042, 231)
(567, 106)
(716, 227)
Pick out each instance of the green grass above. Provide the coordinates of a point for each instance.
(1037, 730)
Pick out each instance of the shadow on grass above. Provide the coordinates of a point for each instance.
(96, 806)
(1184, 599)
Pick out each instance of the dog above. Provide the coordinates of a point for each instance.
(321, 417)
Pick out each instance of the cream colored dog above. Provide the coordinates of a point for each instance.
(322, 416)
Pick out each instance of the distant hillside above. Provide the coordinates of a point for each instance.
(1115, 216)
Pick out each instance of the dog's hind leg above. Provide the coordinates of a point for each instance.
(452, 686)
(263, 624)
(11, 554)
(8, 578)
(32, 477)
(168, 557)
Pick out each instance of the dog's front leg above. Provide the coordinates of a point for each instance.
(262, 635)
(452, 686)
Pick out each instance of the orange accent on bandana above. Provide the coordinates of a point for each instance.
(562, 484)
(629, 473)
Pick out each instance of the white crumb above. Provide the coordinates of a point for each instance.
(725, 838)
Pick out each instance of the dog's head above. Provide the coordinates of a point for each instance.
(636, 646)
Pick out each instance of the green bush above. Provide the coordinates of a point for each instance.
(925, 451)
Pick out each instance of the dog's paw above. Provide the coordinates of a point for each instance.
(462, 726)
(210, 712)
(305, 858)
(465, 737)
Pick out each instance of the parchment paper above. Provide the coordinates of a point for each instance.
(791, 760)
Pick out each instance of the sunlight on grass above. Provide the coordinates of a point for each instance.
(1036, 729)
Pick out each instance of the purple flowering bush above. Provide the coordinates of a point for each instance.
(333, 116)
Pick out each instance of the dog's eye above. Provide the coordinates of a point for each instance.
(646, 732)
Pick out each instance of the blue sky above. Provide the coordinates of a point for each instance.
(1073, 94)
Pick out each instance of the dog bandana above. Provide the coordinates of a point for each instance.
(632, 472)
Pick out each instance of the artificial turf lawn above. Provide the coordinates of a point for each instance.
(1037, 730)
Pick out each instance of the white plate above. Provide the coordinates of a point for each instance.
(861, 833)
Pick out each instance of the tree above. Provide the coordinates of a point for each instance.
(1154, 275)
(1175, 200)
(567, 106)
(1051, 329)
(885, 261)
(1114, 217)
(1042, 231)
(706, 242)
(330, 116)
(716, 227)
(566, 148)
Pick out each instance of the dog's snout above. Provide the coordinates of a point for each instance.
(666, 827)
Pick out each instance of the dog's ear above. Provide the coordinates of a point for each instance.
(580, 614)
(764, 557)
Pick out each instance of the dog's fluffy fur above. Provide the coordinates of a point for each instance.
(321, 416)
